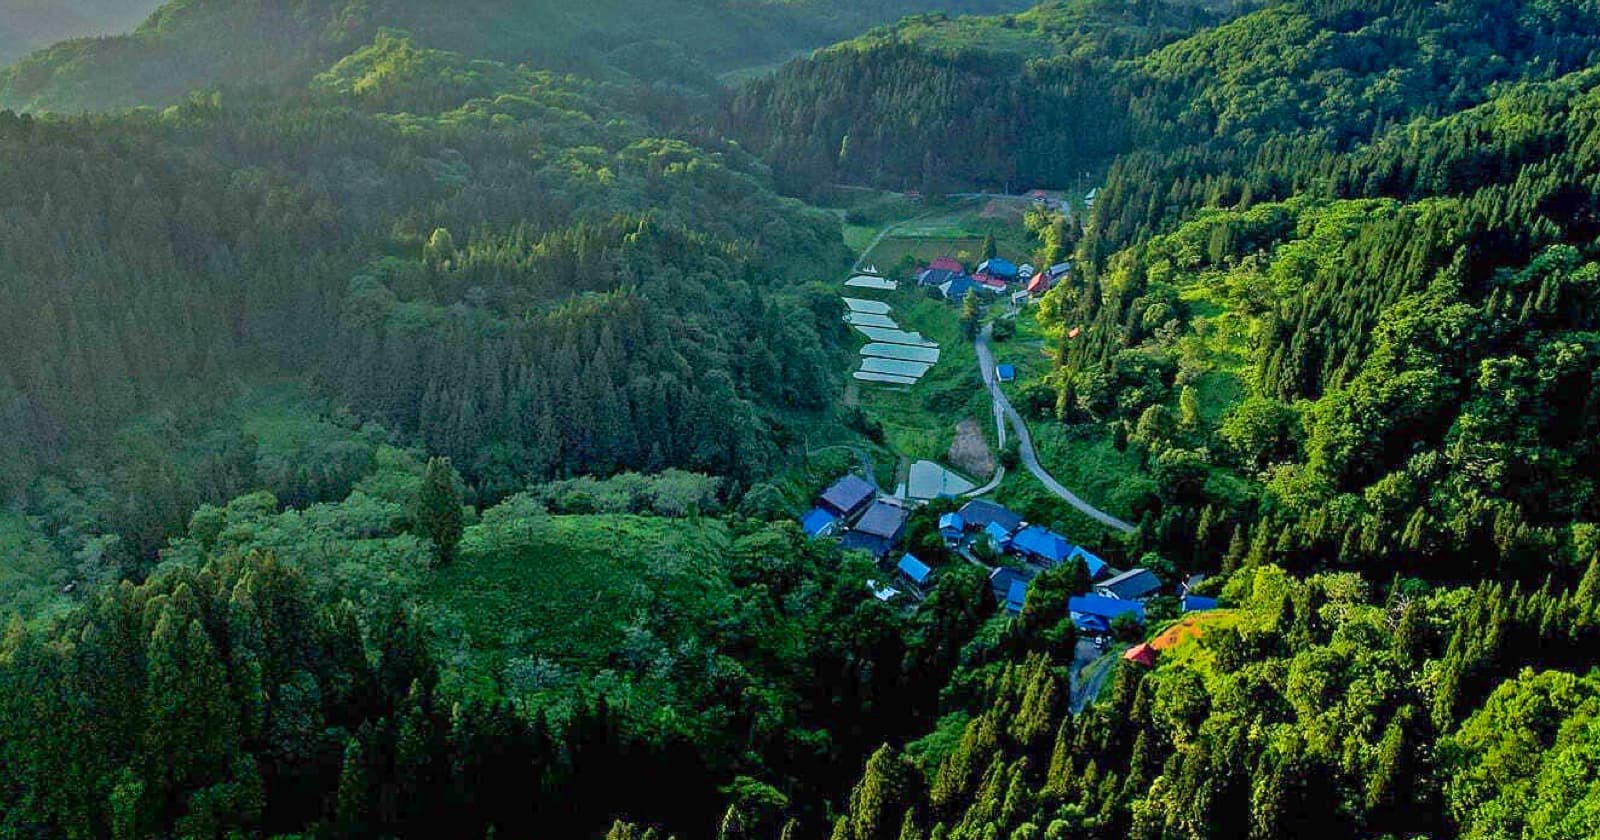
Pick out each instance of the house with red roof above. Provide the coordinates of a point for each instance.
(947, 264)
(989, 282)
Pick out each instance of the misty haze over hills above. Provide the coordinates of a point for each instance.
(27, 25)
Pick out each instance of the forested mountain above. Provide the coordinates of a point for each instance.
(1041, 98)
(535, 284)
(1337, 293)
(27, 25)
(1311, 709)
(189, 44)
(408, 417)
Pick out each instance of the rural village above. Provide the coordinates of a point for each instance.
(1120, 604)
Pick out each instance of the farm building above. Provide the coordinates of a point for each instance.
(848, 496)
(819, 523)
(1134, 585)
(915, 570)
(979, 514)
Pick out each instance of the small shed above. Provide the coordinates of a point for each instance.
(1007, 373)
(1142, 654)
(915, 570)
(819, 523)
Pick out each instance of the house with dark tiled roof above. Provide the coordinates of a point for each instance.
(848, 496)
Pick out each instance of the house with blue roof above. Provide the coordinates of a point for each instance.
(999, 536)
(1007, 373)
(1003, 269)
(819, 523)
(1196, 603)
(1016, 597)
(1010, 587)
(1042, 545)
(915, 570)
(1091, 624)
(957, 288)
(1107, 609)
(952, 526)
(1094, 564)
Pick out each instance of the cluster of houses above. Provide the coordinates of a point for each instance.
(992, 277)
(1114, 592)
(852, 510)
(862, 519)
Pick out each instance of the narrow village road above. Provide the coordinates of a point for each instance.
(1030, 459)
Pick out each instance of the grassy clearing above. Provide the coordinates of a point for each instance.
(923, 249)
(1084, 459)
(1180, 645)
(958, 232)
(567, 589)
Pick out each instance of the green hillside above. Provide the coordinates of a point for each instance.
(407, 421)
(187, 45)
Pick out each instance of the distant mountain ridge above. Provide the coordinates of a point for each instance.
(27, 25)
(194, 44)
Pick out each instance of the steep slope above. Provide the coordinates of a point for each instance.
(189, 44)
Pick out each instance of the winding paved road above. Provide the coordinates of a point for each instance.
(1030, 459)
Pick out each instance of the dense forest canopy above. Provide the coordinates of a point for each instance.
(187, 44)
(411, 407)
